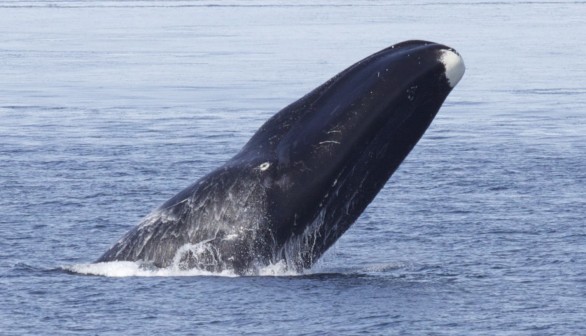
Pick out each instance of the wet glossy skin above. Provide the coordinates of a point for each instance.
(307, 174)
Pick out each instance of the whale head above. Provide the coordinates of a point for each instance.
(322, 159)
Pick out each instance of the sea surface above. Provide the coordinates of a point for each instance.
(108, 108)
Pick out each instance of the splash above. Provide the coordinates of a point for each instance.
(121, 269)
(279, 269)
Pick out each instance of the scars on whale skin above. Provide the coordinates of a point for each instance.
(307, 174)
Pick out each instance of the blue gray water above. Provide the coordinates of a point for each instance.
(109, 108)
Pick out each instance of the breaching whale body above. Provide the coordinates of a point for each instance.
(306, 175)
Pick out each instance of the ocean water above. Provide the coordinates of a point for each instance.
(108, 108)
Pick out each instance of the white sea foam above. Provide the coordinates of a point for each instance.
(137, 269)
(120, 269)
(277, 269)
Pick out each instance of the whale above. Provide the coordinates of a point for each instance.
(306, 175)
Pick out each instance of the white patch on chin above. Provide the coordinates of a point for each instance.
(454, 65)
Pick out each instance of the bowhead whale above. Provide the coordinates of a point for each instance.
(308, 172)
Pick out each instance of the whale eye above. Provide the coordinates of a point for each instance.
(264, 166)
